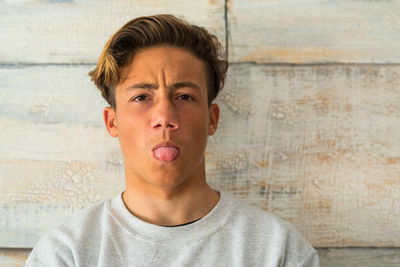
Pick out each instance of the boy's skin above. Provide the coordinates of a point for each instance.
(162, 100)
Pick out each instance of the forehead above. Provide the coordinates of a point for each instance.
(165, 62)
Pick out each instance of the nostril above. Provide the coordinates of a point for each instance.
(166, 125)
(171, 126)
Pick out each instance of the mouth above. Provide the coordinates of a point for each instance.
(166, 151)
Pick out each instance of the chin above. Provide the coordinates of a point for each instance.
(166, 180)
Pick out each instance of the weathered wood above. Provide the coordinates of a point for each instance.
(20, 139)
(316, 145)
(13, 257)
(314, 31)
(35, 196)
(50, 94)
(359, 257)
(76, 31)
(56, 156)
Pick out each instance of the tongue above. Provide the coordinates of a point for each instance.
(166, 153)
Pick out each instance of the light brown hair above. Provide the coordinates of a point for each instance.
(144, 32)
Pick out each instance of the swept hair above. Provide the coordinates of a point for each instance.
(148, 31)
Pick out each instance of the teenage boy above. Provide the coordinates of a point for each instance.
(160, 76)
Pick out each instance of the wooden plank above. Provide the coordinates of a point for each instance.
(76, 31)
(50, 94)
(53, 114)
(314, 31)
(21, 140)
(316, 145)
(35, 196)
(56, 155)
(362, 257)
(13, 257)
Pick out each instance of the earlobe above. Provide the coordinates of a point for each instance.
(213, 119)
(110, 121)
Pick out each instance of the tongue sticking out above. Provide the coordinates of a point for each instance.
(166, 153)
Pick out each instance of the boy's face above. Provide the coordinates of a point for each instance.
(162, 117)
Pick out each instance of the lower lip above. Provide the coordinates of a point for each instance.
(166, 153)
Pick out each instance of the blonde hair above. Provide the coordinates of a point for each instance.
(148, 31)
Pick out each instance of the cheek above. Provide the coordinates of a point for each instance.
(196, 128)
(131, 130)
(195, 118)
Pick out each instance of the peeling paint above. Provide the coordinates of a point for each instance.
(13, 257)
(292, 32)
(302, 56)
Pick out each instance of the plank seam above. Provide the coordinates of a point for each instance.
(311, 64)
(27, 65)
(358, 247)
(24, 65)
(226, 30)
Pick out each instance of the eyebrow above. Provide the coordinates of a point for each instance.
(155, 86)
(142, 86)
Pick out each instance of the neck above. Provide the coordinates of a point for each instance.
(190, 201)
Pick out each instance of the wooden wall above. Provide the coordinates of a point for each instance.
(310, 126)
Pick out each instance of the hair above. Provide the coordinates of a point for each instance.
(148, 31)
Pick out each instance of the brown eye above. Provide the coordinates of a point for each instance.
(140, 98)
(186, 98)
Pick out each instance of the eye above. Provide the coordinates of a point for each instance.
(140, 98)
(186, 98)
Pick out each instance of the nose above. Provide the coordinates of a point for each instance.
(165, 115)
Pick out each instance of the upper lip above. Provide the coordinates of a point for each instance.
(165, 144)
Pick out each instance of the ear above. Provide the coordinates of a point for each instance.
(213, 119)
(110, 120)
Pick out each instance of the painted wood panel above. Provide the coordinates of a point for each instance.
(13, 257)
(362, 257)
(35, 196)
(75, 31)
(314, 31)
(56, 156)
(316, 145)
(50, 94)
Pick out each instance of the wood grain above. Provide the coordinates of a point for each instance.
(362, 257)
(76, 31)
(13, 257)
(316, 145)
(314, 31)
(36, 196)
(56, 156)
(50, 94)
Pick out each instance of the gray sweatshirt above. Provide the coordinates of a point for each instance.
(232, 234)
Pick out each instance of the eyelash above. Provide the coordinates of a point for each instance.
(190, 97)
(136, 98)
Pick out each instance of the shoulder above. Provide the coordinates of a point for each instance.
(256, 218)
(269, 232)
(60, 245)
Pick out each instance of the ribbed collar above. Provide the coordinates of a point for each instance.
(171, 236)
